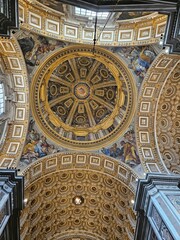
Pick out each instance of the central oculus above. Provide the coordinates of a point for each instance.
(82, 90)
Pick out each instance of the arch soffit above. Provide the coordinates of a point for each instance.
(72, 161)
(160, 72)
(15, 67)
(91, 172)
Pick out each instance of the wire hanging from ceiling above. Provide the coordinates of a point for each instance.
(95, 26)
(105, 25)
(95, 30)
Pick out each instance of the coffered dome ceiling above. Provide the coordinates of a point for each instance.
(168, 122)
(83, 99)
(105, 206)
(74, 196)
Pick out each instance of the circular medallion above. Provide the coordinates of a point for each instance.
(83, 100)
(82, 91)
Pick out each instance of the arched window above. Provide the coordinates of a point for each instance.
(2, 100)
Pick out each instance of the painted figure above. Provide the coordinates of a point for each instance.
(125, 151)
(129, 152)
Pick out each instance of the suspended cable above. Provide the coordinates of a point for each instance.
(105, 25)
(95, 30)
(95, 27)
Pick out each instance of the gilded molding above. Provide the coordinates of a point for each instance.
(149, 104)
(52, 182)
(42, 20)
(121, 113)
(15, 68)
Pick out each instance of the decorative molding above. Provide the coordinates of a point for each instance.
(105, 183)
(125, 33)
(92, 118)
(17, 128)
(164, 70)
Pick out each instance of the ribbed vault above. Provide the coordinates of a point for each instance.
(83, 99)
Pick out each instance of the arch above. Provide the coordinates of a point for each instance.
(106, 185)
(148, 120)
(13, 65)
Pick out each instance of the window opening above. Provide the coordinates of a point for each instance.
(88, 13)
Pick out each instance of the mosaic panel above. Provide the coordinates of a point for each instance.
(81, 159)
(18, 131)
(153, 167)
(160, 29)
(125, 35)
(7, 162)
(163, 63)
(13, 148)
(143, 121)
(37, 169)
(154, 77)
(147, 153)
(144, 33)
(122, 171)
(145, 107)
(35, 20)
(148, 92)
(7, 46)
(144, 137)
(21, 13)
(52, 26)
(67, 159)
(20, 113)
(20, 96)
(95, 161)
(70, 31)
(18, 81)
(107, 36)
(109, 165)
(51, 162)
(88, 34)
(14, 63)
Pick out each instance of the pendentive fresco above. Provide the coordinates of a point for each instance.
(69, 87)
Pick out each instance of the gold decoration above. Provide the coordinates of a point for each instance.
(83, 106)
(69, 197)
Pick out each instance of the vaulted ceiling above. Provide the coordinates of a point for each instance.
(96, 83)
(105, 207)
